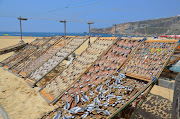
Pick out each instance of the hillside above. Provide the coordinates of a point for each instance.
(161, 26)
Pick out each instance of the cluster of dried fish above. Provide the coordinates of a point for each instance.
(149, 58)
(98, 102)
(94, 97)
(44, 57)
(104, 67)
(17, 68)
(55, 72)
(77, 67)
(56, 59)
(23, 53)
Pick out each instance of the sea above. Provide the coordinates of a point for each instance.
(51, 34)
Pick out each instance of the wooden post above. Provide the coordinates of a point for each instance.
(21, 28)
(89, 42)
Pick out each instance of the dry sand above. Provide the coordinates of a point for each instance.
(84, 46)
(22, 102)
(164, 92)
(6, 41)
(18, 99)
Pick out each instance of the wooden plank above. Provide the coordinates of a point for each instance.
(173, 61)
(6, 67)
(177, 51)
(12, 48)
(162, 41)
(176, 55)
(46, 95)
(22, 74)
(138, 76)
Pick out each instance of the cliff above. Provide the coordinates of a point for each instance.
(160, 26)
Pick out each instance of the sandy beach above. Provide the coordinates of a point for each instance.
(6, 41)
(23, 102)
(18, 99)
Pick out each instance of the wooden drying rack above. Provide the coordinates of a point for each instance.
(7, 67)
(145, 78)
(26, 75)
(54, 102)
(32, 55)
(61, 61)
(12, 48)
(149, 85)
(49, 98)
(33, 83)
(151, 82)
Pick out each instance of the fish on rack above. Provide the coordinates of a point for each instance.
(149, 58)
(40, 51)
(44, 57)
(111, 95)
(101, 100)
(77, 67)
(104, 67)
(51, 63)
(27, 50)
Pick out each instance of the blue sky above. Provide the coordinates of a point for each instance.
(44, 15)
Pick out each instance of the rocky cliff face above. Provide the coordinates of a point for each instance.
(161, 26)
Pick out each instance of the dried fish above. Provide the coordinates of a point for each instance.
(58, 115)
(91, 93)
(76, 99)
(85, 115)
(105, 104)
(110, 96)
(97, 101)
(67, 106)
(76, 110)
(67, 117)
(84, 97)
(99, 88)
(106, 113)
